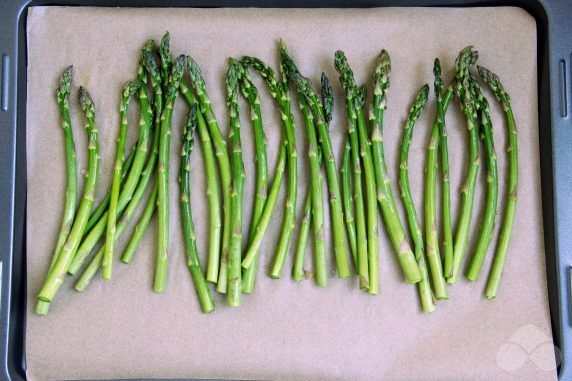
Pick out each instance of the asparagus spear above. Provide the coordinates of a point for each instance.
(266, 215)
(467, 57)
(55, 278)
(443, 100)
(348, 199)
(140, 229)
(512, 152)
(163, 174)
(234, 290)
(292, 165)
(212, 189)
(488, 221)
(201, 287)
(383, 183)
(221, 153)
(128, 91)
(328, 106)
(414, 112)
(277, 94)
(250, 92)
(317, 200)
(62, 95)
(430, 206)
(365, 247)
(298, 268)
(127, 190)
(337, 215)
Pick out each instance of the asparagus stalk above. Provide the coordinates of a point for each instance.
(189, 238)
(430, 206)
(383, 183)
(414, 112)
(62, 95)
(55, 278)
(163, 174)
(443, 101)
(250, 92)
(348, 199)
(372, 216)
(328, 106)
(298, 268)
(292, 166)
(221, 153)
(488, 221)
(512, 152)
(264, 221)
(128, 91)
(284, 106)
(104, 204)
(139, 231)
(467, 57)
(357, 199)
(337, 215)
(317, 198)
(366, 248)
(213, 199)
(312, 211)
(234, 254)
(127, 190)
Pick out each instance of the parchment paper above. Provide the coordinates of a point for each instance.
(285, 330)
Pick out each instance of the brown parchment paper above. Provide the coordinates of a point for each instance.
(285, 330)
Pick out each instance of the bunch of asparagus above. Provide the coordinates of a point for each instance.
(353, 203)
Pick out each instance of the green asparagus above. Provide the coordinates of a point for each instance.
(128, 91)
(414, 112)
(62, 95)
(488, 221)
(385, 198)
(189, 238)
(512, 152)
(430, 206)
(463, 63)
(198, 83)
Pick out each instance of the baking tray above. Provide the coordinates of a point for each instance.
(554, 33)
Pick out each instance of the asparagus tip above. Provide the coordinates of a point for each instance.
(85, 99)
(327, 98)
(419, 103)
(381, 74)
(495, 84)
(130, 88)
(438, 84)
(65, 81)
